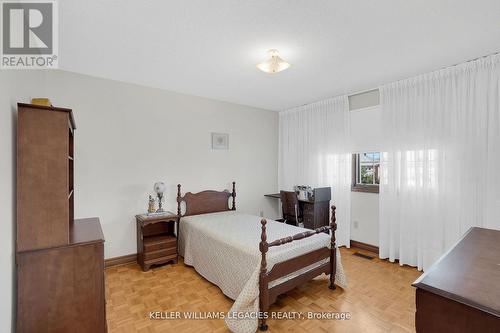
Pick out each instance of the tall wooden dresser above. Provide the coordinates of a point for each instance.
(59, 261)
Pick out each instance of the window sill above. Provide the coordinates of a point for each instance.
(365, 188)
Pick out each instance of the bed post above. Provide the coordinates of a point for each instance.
(233, 194)
(333, 250)
(179, 200)
(263, 285)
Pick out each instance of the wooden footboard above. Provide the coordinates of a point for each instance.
(268, 295)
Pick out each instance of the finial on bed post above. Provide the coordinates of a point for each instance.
(263, 283)
(179, 199)
(333, 249)
(234, 196)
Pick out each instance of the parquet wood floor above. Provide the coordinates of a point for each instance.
(379, 298)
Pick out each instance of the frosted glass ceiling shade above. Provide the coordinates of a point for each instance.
(275, 64)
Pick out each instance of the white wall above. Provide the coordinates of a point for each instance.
(364, 217)
(366, 135)
(127, 138)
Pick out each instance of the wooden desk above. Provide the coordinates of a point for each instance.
(273, 195)
(316, 211)
(460, 292)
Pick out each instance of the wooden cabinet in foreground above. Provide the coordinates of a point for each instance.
(45, 193)
(460, 292)
(59, 261)
(61, 289)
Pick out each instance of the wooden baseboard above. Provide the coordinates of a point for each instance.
(129, 258)
(364, 246)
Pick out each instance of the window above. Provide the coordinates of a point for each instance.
(365, 172)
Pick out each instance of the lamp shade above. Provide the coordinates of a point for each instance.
(159, 187)
(274, 64)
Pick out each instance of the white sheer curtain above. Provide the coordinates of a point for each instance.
(440, 174)
(314, 150)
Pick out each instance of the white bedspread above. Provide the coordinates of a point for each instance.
(224, 248)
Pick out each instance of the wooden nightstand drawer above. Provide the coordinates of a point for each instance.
(160, 253)
(159, 242)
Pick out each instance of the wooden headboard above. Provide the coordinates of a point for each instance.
(206, 201)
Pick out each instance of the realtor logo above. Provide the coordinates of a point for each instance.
(29, 34)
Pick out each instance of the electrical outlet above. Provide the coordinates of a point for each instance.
(261, 213)
(355, 224)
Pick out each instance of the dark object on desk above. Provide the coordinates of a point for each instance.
(290, 207)
(315, 211)
(59, 261)
(304, 192)
(460, 292)
(156, 239)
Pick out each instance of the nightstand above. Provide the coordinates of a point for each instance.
(156, 239)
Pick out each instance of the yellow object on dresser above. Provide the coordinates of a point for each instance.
(41, 101)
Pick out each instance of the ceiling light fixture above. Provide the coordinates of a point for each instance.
(273, 65)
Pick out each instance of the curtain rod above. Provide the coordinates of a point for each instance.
(466, 61)
(439, 69)
(373, 89)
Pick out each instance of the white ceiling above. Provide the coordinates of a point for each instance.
(210, 48)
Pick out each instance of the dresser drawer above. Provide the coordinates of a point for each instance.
(308, 222)
(308, 215)
(159, 243)
(308, 209)
(160, 253)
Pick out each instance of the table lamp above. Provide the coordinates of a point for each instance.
(159, 188)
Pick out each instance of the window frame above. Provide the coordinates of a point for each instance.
(355, 187)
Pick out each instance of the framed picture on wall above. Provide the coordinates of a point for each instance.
(220, 141)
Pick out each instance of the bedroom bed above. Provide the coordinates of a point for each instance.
(221, 244)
